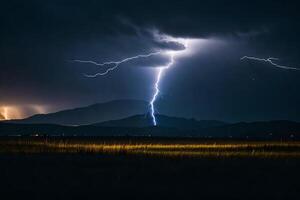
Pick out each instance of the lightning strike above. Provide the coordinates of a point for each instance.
(271, 61)
(172, 54)
(161, 70)
(156, 86)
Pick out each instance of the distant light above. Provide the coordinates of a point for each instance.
(21, 111)
(5, 113)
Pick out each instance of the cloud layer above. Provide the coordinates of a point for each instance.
(39, 38)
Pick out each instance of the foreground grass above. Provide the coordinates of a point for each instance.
(147, 168)
(161, 147)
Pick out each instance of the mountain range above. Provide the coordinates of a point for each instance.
(95, 113)
(129, 117)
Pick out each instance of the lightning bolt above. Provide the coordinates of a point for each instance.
(271, 61)
(172, 54)
(156, 86)
(162, 69)
(115, 64)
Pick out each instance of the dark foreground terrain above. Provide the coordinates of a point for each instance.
(86, 175)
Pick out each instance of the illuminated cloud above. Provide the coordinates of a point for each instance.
(171, 49)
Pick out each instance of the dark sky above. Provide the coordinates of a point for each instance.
(39, 40)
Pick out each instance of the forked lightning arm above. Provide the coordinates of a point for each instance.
(271, 61)
(115, 64)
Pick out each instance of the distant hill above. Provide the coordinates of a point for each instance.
(163, 121)
(91, 114)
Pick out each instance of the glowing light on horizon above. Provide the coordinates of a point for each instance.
(10, 112)
(5, 113)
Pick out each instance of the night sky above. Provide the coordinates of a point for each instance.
(40, 39)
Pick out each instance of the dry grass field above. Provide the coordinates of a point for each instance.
(164, 147)
(148, 168)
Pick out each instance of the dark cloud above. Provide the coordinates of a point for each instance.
(39, 38)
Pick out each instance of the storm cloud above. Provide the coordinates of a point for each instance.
(38, 39)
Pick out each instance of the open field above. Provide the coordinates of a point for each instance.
(148, 168)
(164, 147)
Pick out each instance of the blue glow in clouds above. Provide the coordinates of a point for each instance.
(171, 54)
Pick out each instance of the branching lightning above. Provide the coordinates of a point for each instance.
(114, 64)
(172, 54)
(271, 61)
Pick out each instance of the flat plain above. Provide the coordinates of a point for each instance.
(148, 168)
